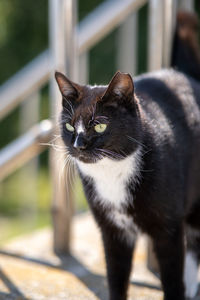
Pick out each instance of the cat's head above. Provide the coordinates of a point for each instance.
(99, 121)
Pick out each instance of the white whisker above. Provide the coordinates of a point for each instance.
(110, 153)
(134, 140)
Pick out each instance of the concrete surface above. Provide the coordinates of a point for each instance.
(30, 270)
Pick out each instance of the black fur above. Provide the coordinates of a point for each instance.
(169, 189)
(161, 114)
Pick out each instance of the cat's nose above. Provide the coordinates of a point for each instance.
(80, 143)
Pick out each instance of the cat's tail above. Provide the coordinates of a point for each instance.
(186, 49)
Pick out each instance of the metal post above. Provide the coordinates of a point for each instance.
(62, 19)
(127, 45)
(29, 116)
(155, 40)
(186, 5)
(169, 28)
(155, 62)
(106, 17)
(83, 68)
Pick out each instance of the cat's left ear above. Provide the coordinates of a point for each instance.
(120, 87)
(68, 89)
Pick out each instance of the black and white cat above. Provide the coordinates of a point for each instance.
(137, 150)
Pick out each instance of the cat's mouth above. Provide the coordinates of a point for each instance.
(87, 160)
(96, 155)
(87, 157)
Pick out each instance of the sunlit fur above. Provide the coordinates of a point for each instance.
(143, 172)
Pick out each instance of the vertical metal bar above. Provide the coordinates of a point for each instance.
(29, 116)
(155, 62)
(83, 68)
(62, 19)
(127, 45)
(71, 42)
(186, 5)
(168, 30)
(155, 39)
(29, 112)
(175, 4)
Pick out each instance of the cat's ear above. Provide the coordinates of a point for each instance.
(68, 89)
(120, 87)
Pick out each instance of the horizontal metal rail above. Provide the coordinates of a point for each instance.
(91, 30)
(25, 147)
(103, 20)
(29, 79)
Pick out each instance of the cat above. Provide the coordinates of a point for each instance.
(136, 145)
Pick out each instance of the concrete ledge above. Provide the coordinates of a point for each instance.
(30, 270)
(21, 279)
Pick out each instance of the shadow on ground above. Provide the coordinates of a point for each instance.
(96, 283)
(14, 293)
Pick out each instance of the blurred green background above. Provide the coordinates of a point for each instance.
(24, 35)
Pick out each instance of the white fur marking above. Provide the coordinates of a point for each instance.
(125, 223)
(110, 177)
(121, 219)
(190, 275)
(80, 126)
(75, 143)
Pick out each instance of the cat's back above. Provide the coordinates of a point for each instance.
(170, 97)
(170, 102)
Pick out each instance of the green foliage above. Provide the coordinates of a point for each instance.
(23, 33)
(19, 193)
(16, 225)
(102, 60)
(142, 39)
(86, 6)
(24, 203)
(79, 197)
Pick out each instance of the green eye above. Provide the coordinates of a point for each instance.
(69, 127)
(100, 128)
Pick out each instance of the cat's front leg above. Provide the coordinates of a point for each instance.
(169, 249)
(118, 254)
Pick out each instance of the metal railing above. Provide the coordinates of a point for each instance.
(64, 56)
(89, 32)
(25, 147)
(29, 79)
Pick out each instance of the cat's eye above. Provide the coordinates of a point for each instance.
(69, 127)
(100, 127)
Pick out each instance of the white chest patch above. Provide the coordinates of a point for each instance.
(111, 177)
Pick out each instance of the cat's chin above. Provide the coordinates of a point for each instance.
(87, 159)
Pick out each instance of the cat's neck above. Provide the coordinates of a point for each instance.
(111, 177)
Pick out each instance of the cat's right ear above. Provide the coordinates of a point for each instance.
(69, 90)
(120, 89)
